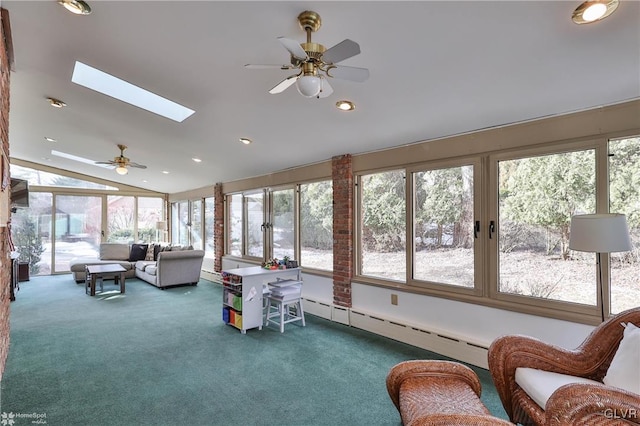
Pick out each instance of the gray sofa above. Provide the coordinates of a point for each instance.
(109, 253)
(171, 268)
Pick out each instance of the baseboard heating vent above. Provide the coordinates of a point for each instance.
(456, 347)
(213, 276)
(317, 308)
(340, 314)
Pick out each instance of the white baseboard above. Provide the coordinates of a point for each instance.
(216, 277)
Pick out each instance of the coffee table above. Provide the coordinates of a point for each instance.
(100, 272)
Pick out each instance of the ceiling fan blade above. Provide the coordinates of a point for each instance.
(294, 48)
(267, 66)
(136, 165)
(284, 84)
(341, 51)
(109, 163)
(325, 88)
(349, 73)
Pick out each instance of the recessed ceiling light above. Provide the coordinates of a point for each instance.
(197, 160)
(245, 141)
(165, 172)
(345, 105)
(56, 103)
(78, 7)
(594, 10)
(48, 139)
(109, 85)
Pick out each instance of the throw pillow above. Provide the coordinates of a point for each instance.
(624, 371)
(157, 249)
(150, 251)
(138, 252)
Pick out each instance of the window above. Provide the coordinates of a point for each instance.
(42, 178)
(383, 225)
(235, 224)
(150, 212)
(282, 223)
(537, 197)
(316, 225)
(120, 219)
(209, 226)
(443, 226)
(195, 221)
(255, 224)
(624, 197)
(31, 233)
(294, 222)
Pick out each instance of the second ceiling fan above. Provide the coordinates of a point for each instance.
(315, 63)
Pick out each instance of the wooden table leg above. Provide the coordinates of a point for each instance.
(122, 282)
(93, 284)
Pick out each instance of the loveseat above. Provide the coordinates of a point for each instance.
(171, 268)
(109, 253)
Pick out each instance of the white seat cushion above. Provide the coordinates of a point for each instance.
(624, 371)
(540, 385)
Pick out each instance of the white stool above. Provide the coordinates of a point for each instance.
(281, 303)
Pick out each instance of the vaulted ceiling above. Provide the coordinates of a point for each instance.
(436, 69)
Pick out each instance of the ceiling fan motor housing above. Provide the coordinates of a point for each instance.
(309, 20)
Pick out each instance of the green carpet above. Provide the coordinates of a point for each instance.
(153, 357)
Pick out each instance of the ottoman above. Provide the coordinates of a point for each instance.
(429, 392)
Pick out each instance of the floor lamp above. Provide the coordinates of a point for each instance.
(161, 226)
(599, 233)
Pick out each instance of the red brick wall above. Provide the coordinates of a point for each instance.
(342, 229)
(5, 263)
(218, 223)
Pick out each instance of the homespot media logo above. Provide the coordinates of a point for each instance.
(9, 419)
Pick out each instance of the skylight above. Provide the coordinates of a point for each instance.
(77, 158)
(109, 85)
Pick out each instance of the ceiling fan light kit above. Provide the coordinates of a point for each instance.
(121, 163)
(593, 11)
(78, 7)
(315, 63)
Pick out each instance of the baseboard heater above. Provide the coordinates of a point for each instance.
(443, 343)
(213, 276)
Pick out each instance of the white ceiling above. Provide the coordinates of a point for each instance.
(437, 69)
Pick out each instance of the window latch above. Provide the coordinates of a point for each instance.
(476, 229)
(492, 228)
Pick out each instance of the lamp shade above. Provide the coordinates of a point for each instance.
(161, 226)
(599, 233)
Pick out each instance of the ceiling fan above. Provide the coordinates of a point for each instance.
(121, 162)
(315, 63)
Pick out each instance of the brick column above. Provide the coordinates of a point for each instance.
(342, 174)
(5, 262)
(218, 223)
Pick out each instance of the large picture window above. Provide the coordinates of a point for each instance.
(537, 197)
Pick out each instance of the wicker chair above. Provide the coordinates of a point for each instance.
(573, 404)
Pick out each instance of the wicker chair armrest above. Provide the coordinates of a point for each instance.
(592, 404)
(428, 368)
